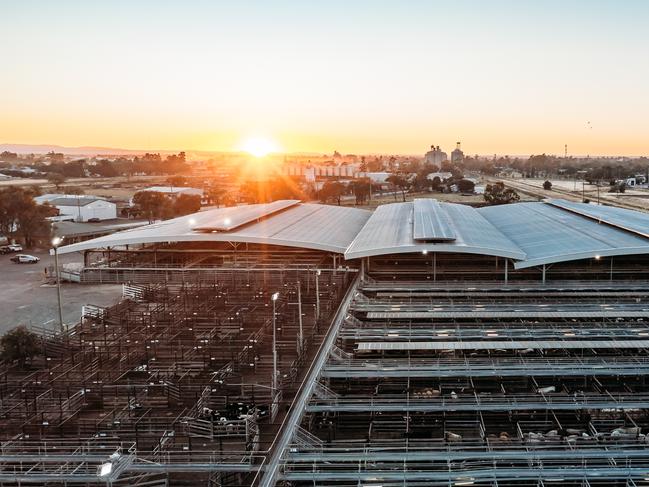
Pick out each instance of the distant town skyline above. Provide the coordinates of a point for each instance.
(503, 77)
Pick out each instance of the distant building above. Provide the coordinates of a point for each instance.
(312, 172)
(457, 156)
(436, 156)
(79, 208)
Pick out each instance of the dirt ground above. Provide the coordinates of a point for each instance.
(95, 186)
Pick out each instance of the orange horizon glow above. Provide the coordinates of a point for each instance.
(506, 77)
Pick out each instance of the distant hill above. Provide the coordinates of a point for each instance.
(112, 151)
(73, 151)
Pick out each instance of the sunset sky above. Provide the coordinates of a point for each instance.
(506, 77)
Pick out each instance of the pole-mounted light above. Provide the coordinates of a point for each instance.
(56, 241)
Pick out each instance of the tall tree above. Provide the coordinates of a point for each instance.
(21, 216)
(19, 345)
(153, 205)
(216, 195)
(332, 191)
(361, 188)
(401, 181)
(57, 179)
(186, 204)
(498, 194)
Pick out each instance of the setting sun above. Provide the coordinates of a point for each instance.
(259, 146)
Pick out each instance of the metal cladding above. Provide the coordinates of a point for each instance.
(302, 225)
(548, 234)
(390, 230)
(431, 222)
(631, 221)
(531, 234)
(235, 217)
(505, 345)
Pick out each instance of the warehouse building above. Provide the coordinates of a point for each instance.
(79, 208)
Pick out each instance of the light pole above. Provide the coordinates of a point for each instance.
(56, 241)
(317, 294)
(274, 381)
(299, 311)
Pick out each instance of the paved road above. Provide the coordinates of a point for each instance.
(25, 298)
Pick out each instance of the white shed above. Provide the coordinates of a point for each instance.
(84, 208)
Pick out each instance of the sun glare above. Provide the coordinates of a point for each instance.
(259, 146)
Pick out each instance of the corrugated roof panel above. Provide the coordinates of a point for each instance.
(629, 220)
(335, 225)
(390, 231)
(237, 216)
(311, 226)
(431, 222)
(503, 345)
(548, 234)
(409, 315)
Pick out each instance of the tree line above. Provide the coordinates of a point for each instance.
(154, 205)
(55, 164)
(21, 217)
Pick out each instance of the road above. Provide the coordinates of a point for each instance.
(26, 299)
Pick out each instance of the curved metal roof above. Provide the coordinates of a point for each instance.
(390, 231)
(549, 234)
(631, 221)
(532, 234)
(311, 226)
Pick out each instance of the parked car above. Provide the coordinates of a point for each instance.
(7, 249)
(24, 259)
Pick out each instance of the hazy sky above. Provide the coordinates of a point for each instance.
(508, 77)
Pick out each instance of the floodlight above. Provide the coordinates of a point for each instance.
(105, 469)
